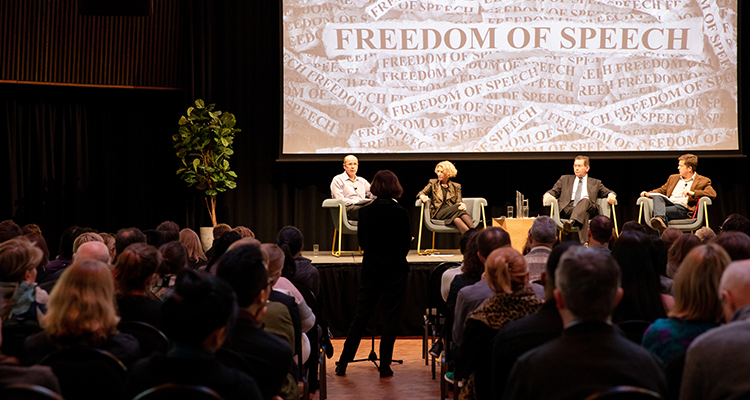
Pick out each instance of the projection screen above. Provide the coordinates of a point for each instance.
(503, 76)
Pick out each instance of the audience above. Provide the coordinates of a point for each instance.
(679, 249)
(284, 285)
(197, 319)
(125, 237)
(299, 270)
(219, 230)
(196, 257)
(244, 232)
(633, 226)
(591, 355)
(169, 230)
(64, 255)
(31, 228)
(736, 223)
(717, 365)
(25, 302)
(447, 278)
(85, 238)
(697, 306)
(109, 241)
(736, 244)
(9, 230)
(81, 313)
(670, 235)
(705, 234)
(134, 271)
(175, 260)
(221, 245)
(508, 276)
(542, 236)
(154, 237)
(659, 254)
(601, 232)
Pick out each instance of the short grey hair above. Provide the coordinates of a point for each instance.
(543, 230)
(588, 280)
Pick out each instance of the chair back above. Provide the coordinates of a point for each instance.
(625, 393)
(673, 370)
(338, 209)
(435, 297)
(14, 336)
(150, 338)
(24, 391)
(174, 391)
(235, 360)
(634, 329)
(86, 373)
(699, 218)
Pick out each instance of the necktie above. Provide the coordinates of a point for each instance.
(579, 191)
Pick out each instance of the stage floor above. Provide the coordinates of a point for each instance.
(325, 258)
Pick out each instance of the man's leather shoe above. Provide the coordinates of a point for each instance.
(340, 368)
(658, 223)
(567, 227)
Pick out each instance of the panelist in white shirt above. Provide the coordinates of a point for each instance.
(353, 189)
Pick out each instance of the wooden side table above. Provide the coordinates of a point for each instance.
(518, 228)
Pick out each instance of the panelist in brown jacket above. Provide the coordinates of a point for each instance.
(680, 194)
(445, 198)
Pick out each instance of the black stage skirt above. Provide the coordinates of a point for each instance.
(449, 213)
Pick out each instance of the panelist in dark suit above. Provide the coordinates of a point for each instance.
(592, 355)
(577, 196)
(385, 236)
(680, 194)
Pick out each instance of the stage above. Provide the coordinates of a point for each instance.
(339, 281)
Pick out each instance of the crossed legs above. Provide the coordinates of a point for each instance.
(463, 223)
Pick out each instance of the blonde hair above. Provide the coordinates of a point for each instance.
(507, 270)
(17, 256)
(192, 243)
(448, 168)
(244, 231)
(696, 284)
(109, 240)
(84, 238)
(81, 308)
(275, 261)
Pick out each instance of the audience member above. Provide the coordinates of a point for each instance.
(175, 260)
(508, 276)
(642, 299)
(679, 249)
(284, 285)
(529, 332)
(447, 278)
(125, 237)
(717, 365)
(244, 232)
(670, 235)
(197, 319)
(472, 269)
(154, 238)
(134, 271)
(659, 252)
(31, 228)
(601, 232)
(592, 355)
(705, 234)
(736, 223)
(169, 230)
(221, 245)
(735, 243)
(25, 302)
(9, 230)
(93, 251)
(109, 240)
(196, 256)
(633, 226)
(697, 306)
(41, 243)
(85, 238)
(81, 313)
(64, 255)
(297, 269)
(541, 238)
(219, 230)
(243, 268)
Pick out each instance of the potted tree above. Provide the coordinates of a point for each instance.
(204, 144)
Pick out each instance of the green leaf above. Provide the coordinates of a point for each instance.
(199, 103)
(195, 164)
(183, 120)
(232, 174)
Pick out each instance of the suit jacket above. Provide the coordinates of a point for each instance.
(434, 190)
(701, 186)
(384, 233)
(589, 357)
(563, 189)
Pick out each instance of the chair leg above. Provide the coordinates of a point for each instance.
(424, 339)
(333, 246)
(322, 379)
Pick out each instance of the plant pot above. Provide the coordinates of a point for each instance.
(207, 237)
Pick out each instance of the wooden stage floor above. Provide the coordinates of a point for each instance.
(325, 258)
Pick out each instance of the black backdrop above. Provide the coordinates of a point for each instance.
(102, 157)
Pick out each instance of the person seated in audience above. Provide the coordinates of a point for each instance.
(446, 203)
(697, 306)
(679, 249)
(175, 260)
(447, 278)
(735, 243)
(270, 357)
(9, 230)
(670, 235)
(125, 237)
(659, 252)
(109, 241)
(197, 320)
(169, 230)
(601, 232)
(633, 226)
(154, 237)
(93, 251)
(221, 245)
(299, 270)
(134, 271)
(41, 243)
(12, 373)
(65, 253)
(705, 234)
(284, 285)
(508, 276)
(542, 236)
(25, 301)
(196, 256)
(717, 365)
(529, 332)
(591, 355)
(244, 232)
(219, 230)
(736, 223)
(81, 313)
(89, 252)
(642, 299)
(85, 238)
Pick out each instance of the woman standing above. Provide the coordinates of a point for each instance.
(385, 236)
(445, 198)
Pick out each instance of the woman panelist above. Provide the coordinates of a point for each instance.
(445, 198)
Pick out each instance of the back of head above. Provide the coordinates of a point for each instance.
(463, 242)
(696, 285)
(554, 260)
(93, 251)
(81, 308)
(175, 258)
(127, 236)
(275, 261)
(200, 305)
(30, 228)
(490, 239)
(154, 237)
(543, 230)
(41, 243)
(85, 238)
(736, 281)
(658, 250)
(67, 238)
(588, 281)
(243, 268)
(705, 234)
(109, 240)
(135, 266)
(670, 235)
(9, 230)
(244, 232)
(601, 228)
(18, 256)
(507, 270)
(221, 245)
(192, 243)
(640, 283)
(290, 241)
(385, 184)
(633, 226)
(736, 244)
(219, 230)
(736, 223)
(472, 266)
(679, 250)
(169, 230)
